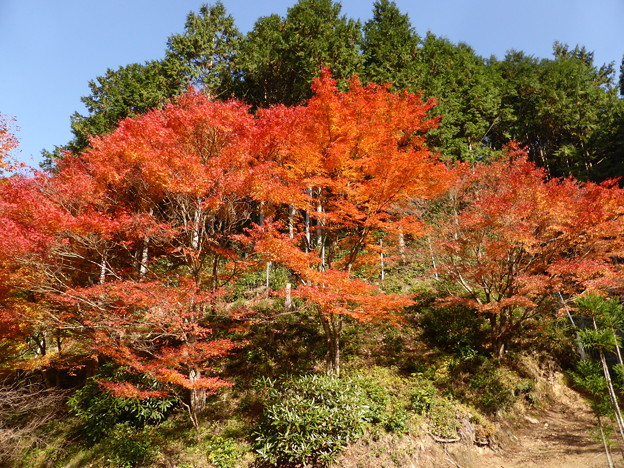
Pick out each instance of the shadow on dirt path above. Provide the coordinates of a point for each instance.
(558, 437)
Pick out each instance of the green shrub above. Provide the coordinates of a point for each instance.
(491, 392)
(456, 329)
(127, 447)
(423, 395)
(311, 419)
(396, 420)
(443, 419)
(385, 408)
(100, 411)
(223, 452)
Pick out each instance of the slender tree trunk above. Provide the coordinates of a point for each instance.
(320, 241)
(198, 395)
(581, 348)
(291, 221)
(145, 253)
(261, 214)
(215, 273)
(144, 259)
(604, 442)
(288, 299)
(307, 231)
(319, 225)
(103, 269)
(332, 326)
(381, 260)
(616, 407)
(195, 234)
(618, 351)
(402, 246)
(433, 260)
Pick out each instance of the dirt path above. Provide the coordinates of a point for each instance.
(558, 437)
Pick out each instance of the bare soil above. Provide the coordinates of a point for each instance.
(556, 434)
(559, 437)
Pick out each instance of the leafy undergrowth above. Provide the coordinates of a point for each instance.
(430, 379)
(394, 391)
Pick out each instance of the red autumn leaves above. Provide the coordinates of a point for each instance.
(130, 248)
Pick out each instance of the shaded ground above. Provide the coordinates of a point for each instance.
(559, 437)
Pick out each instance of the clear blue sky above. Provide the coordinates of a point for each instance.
(52, 48)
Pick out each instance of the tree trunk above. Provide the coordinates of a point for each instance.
(288, 298)
(291, 221)
(198, 395)
(581, 348)
(145, 254)
(402, 246)
(382, 276)
(604, 443)
(332, 327)
(215, 273)
(614, 402)
(307, 231)
(433, 260)
(103, 269)
(618, 351)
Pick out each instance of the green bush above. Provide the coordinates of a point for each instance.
(491, 392)
(423, 396)
(457, 330)
(223, 452)
(311, 419)
(100, 411)
(128, 447)
(385, 409)
(443, 419)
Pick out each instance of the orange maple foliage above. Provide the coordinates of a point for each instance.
(131, 244)
(354, 159)
(118, 241)
(512, 240)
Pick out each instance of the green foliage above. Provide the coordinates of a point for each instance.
(386, 399)
(223, 452)
(390, 47)
(280, 56)
(598, 339)
(127, 447)
(101, 412)
(128, 91)
(311, 419)
(469, 95)
(562, 109)
(423, 395)
(491, 391)
(606, 312)
(588, 376)
(205, 53)
(443, 419)
(456, 329)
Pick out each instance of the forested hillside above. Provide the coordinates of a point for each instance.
(265, 249)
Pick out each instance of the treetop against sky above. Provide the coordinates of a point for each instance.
(53, 49)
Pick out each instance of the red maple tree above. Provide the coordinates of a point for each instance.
(512, 240)
(354, 158)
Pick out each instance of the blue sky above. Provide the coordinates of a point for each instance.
(52, 48)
